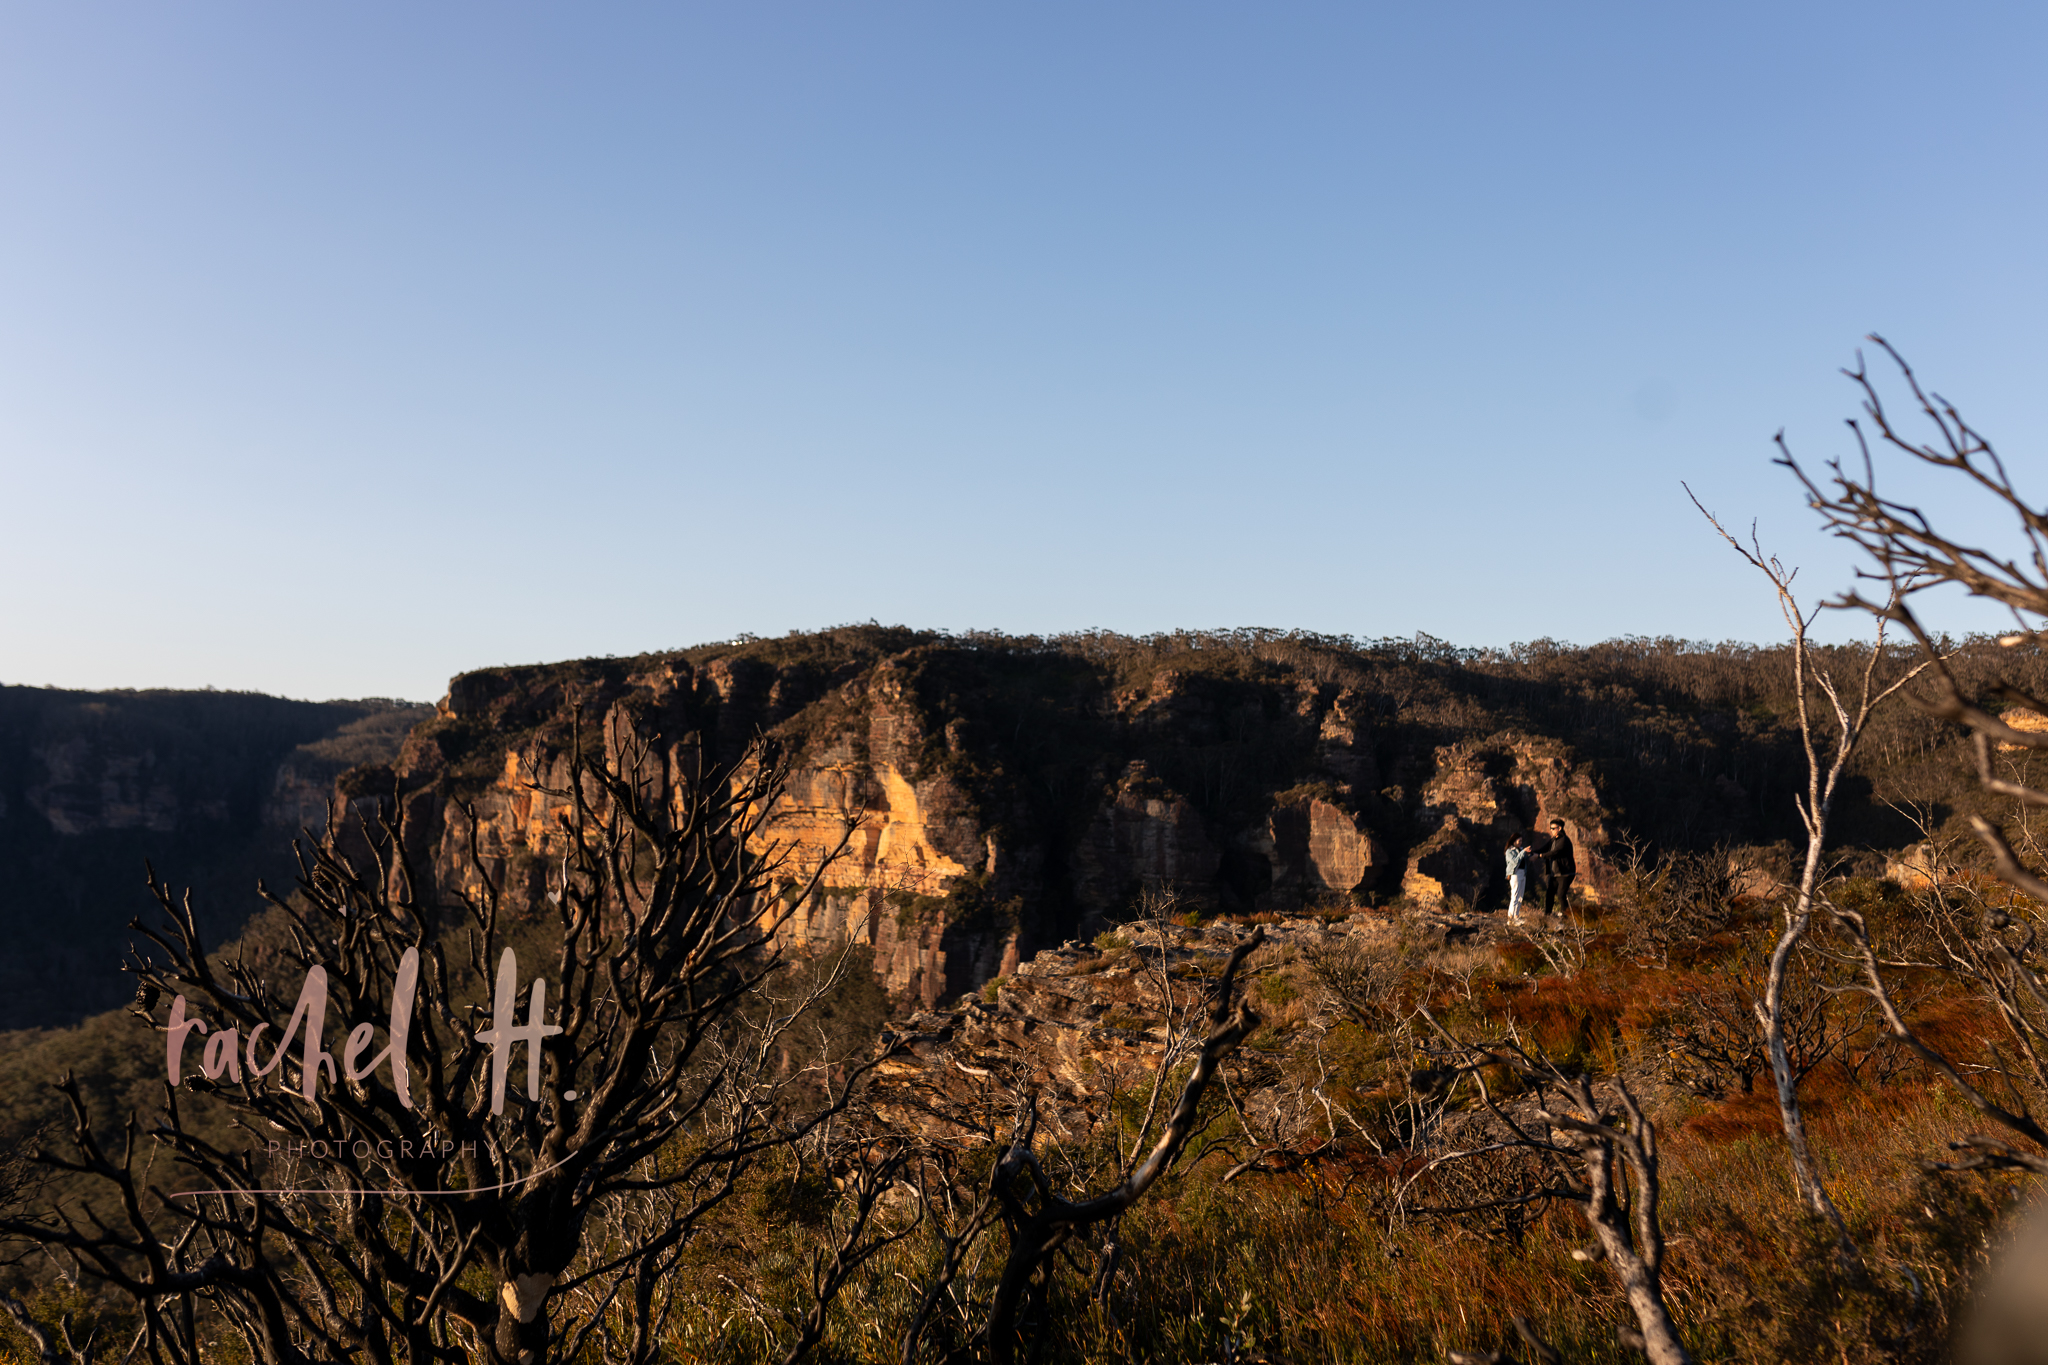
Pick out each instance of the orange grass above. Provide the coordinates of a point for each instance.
(1309, 1267)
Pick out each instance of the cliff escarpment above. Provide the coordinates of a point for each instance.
(1009, 794)
(208, 787)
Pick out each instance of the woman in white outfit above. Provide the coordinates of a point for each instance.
(1518, 877)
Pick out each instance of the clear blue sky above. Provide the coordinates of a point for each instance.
(344, 347)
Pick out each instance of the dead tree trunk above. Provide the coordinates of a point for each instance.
(1632, 1241)
(1579, 1151)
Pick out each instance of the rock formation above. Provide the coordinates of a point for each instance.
(995, 800)
(1084, 1024)
(1483, 793)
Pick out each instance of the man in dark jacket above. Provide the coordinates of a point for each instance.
(1562, 867)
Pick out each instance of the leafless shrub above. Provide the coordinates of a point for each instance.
(1834, 716)
(1673, 901)
(1712, 1040)
(1365, 980)
(1563, 1140)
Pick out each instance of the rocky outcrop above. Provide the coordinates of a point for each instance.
(1087, 1025)
(1080, 1025)
(1920, 866)
(1320, 847)
(1480, 795)
(1344, 742)
(910, 858)
(2025, 720)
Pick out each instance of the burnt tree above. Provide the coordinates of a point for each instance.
(431, 1168)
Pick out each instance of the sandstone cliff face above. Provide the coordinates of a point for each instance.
(917, 846)
(87, 787)
(1004, 794)
(1319, 847)
(208, 787)
(1000, 801)
(1143, 832)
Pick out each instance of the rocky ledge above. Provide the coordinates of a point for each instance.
(1087, 1026)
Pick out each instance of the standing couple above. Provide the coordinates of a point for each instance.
(1556, 855)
